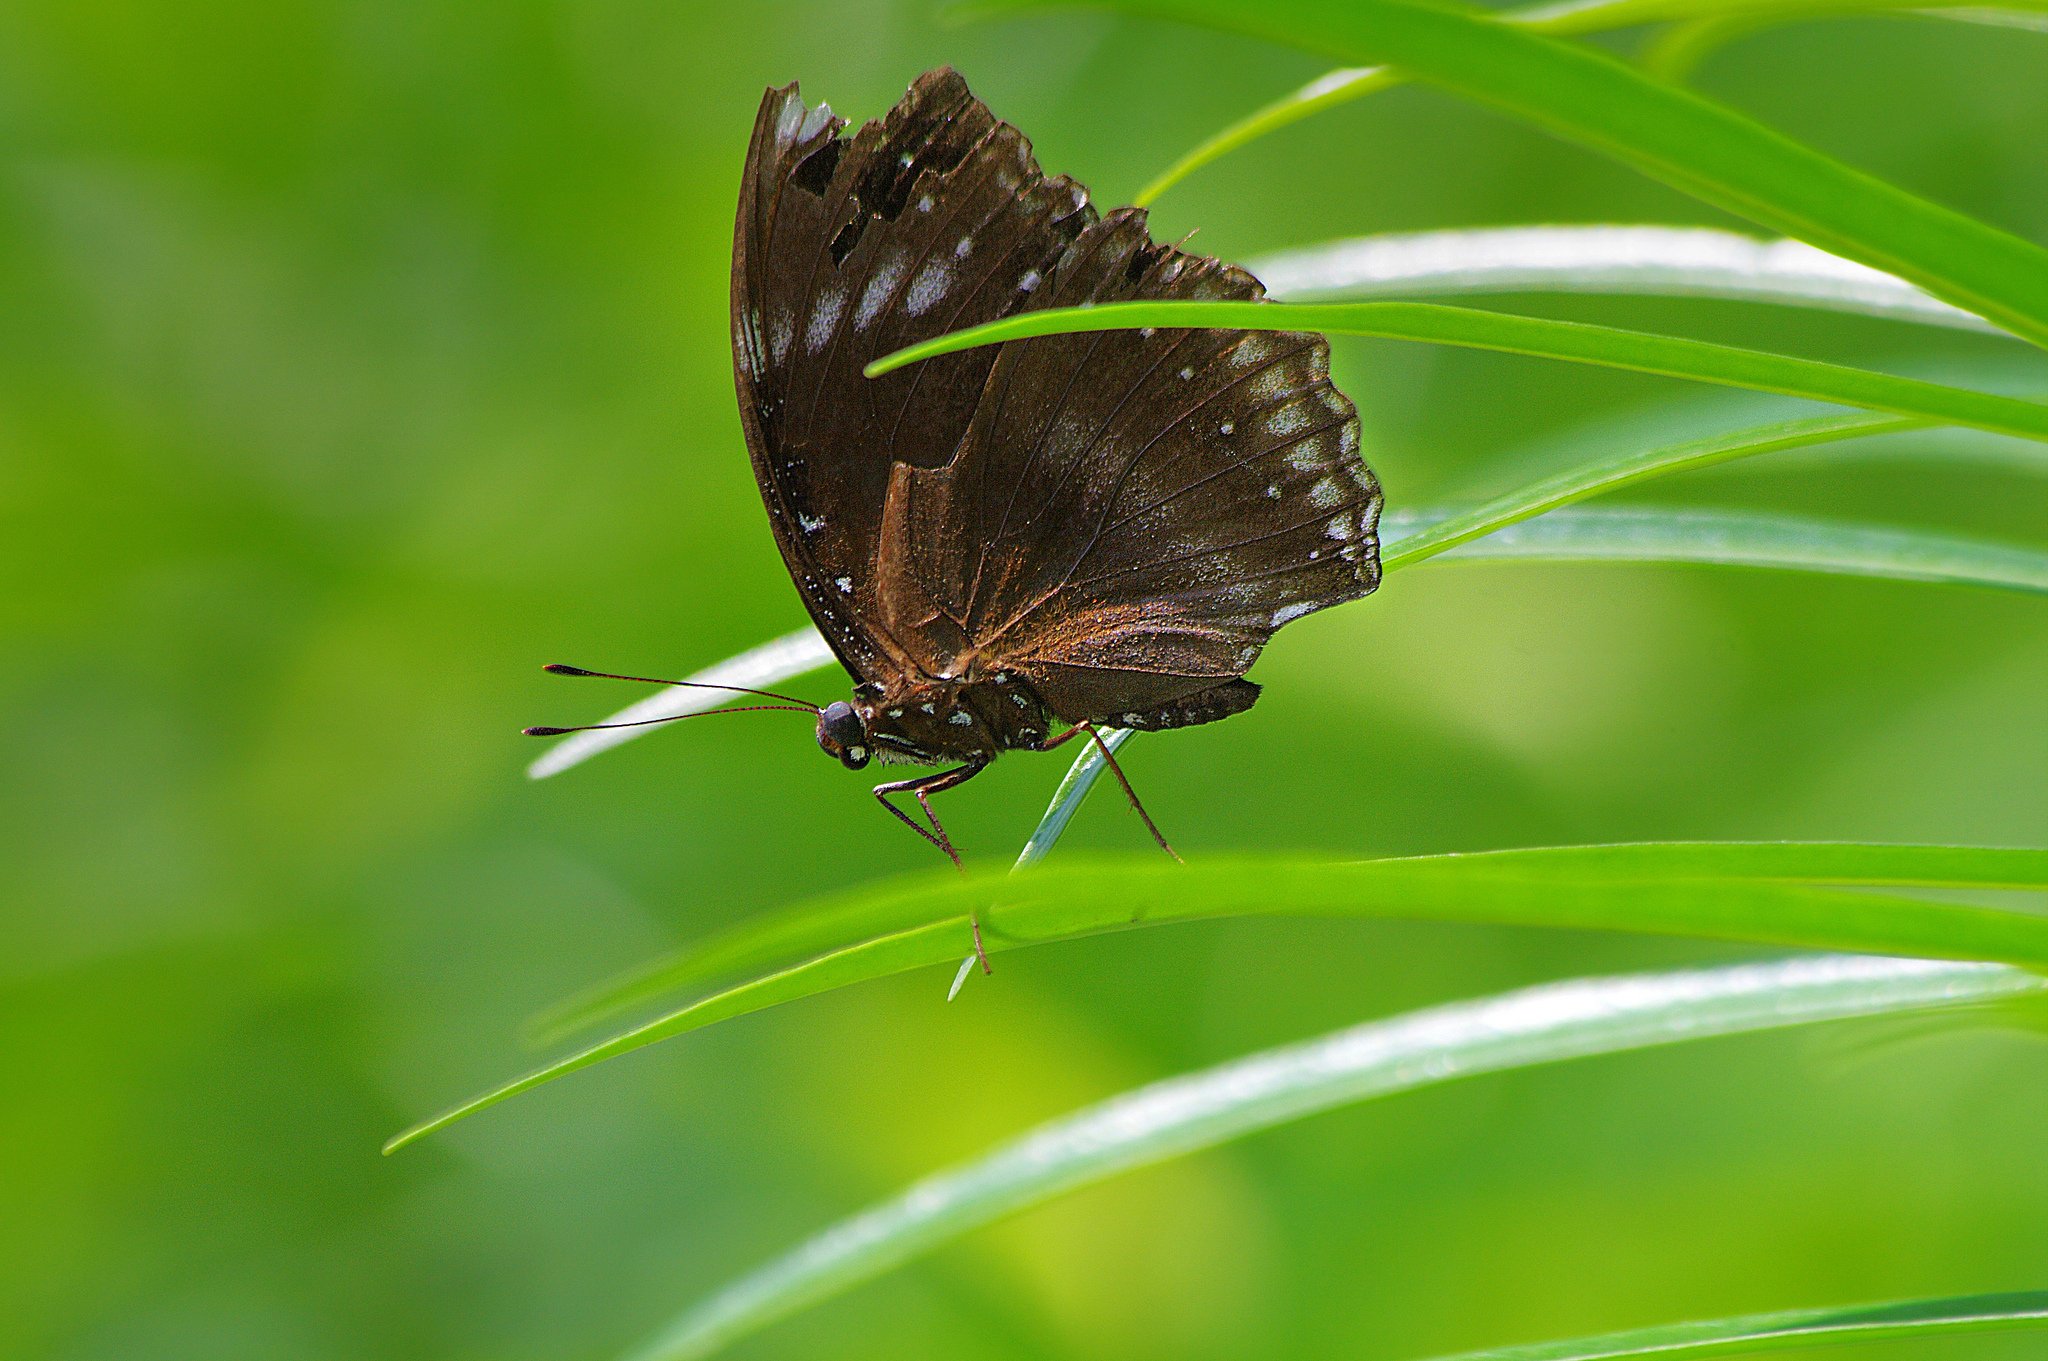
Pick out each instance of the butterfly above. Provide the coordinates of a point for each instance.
(1013, 546)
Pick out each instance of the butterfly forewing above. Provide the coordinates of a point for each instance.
(849, 247)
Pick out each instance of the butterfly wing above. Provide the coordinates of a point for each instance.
(848, 247)
(1132, 514)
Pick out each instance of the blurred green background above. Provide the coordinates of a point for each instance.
(361, 357)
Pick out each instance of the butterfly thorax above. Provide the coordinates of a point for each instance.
(930, 720)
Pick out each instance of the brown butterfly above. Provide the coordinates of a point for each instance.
(1070, 531)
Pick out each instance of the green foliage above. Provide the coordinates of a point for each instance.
(1767, 893)
(1755, 1334)
(1721, 539)
(1781, 894)
(1536, 1026)
(1695, 30)
(372, 355)
(1690, 143)
(1671, 356)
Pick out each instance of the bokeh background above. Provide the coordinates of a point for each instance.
(362, 356)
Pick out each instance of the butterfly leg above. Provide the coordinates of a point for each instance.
(1089, 730)
(924, 787)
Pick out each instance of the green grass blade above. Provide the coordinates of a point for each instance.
(1736, 539)
(1540, 1025)
(1576, 17)
(666, 975)
(1573, 16)
(1073, 791)
(1408, 539)
(1473, 328)
(1706, 538)
(1751, 1334)
(1674, 54)
(1434, 533)
(1694, 145)
(1698, 262)
(1993, 17)
(1324, 92)
(1756, 892)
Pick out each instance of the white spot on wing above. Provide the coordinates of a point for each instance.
(928, 287)
(811, 523)
(960, 718)
(814, 122)
(1287, 613)
(845, 585)
(1288, 420)
(825, 320)
(785, 329)
(1269, 386)
(964, 249)
(1029, 281)
(1326, 493)
(787, 121)
(877, 292)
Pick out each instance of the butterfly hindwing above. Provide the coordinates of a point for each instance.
(1132, 514)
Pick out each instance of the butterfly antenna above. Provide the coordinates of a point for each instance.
(562, 669)
(646, 722)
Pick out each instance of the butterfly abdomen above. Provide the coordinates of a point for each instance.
(1204, 706)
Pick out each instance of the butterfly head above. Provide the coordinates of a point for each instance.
(843, 733)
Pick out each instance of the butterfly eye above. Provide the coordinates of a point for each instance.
(843, 735)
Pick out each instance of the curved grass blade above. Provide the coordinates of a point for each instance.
(1540, 1025)
(1678, 51)
(1992, 17)
(1560, 20)
(1705, 538)
(1756, 892)
(1434, 533)
(1073, 791)
(1326, 91)
(1749, 1334)
(1690, 143)
(1734, 539)
(1408, 541)
(1474, 328)
(1674, 54)
(664, 975)
(779, 659)
(1700, 262)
